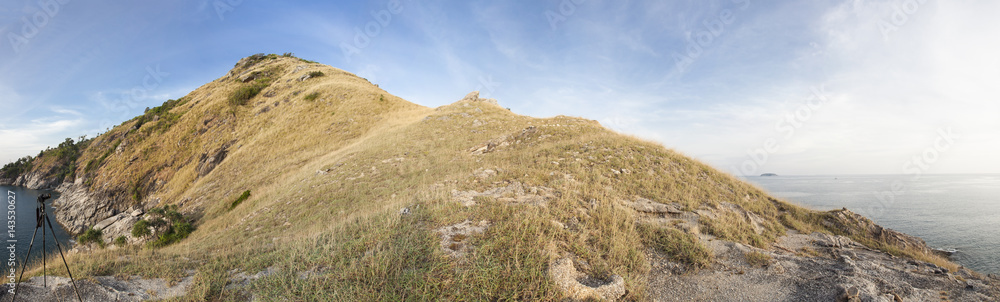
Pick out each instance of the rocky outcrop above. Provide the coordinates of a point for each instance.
(209, 160)
(78, 209)
(853, 224)
(813, 267)
(37, 180)
(104, 288)
(474, 97)
(119, 225)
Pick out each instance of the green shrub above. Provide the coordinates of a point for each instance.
(176, 232)
(243, 94)
(121, 241)
(140, 229)
(136, 192)
(91, 236)
(183, 229)
(316, 74)
(177, 226)
(311, 97)
(170, 212)
(243, 197)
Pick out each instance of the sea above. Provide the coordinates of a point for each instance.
(958, 213)
(23, 203)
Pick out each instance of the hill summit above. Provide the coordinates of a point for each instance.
(289, 179)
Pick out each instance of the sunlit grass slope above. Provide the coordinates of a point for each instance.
(330, 174)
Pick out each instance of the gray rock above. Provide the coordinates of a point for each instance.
(105, 223)
(474, 97)
(98, 289)
(77, 208)
(210, 160)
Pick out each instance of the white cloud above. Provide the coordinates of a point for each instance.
(35, 135)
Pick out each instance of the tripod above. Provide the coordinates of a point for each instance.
(40, 217)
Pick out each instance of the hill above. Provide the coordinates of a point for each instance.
(286, 178)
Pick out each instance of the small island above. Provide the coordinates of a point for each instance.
(769, 174)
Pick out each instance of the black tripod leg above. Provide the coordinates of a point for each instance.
(24, 266)
(59, 246)
(45, 284)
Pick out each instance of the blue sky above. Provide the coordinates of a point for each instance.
(791, 87)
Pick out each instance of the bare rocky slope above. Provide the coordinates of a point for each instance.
(289, 179)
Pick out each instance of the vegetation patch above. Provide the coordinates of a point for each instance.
(757, 258)
(257, 58)
(734, 227)
(311, 97)
(92, 235)
(16, 168)
(316, 74)
(243, 197)
(170, 226)
(141, 229)
(243, 94)
(679, 246)
(121, 241)
(162, 115)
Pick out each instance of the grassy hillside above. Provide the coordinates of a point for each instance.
(352, 191)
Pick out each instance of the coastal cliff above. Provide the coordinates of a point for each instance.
(300, 181)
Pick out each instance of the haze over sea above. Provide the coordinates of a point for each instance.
(950, 212)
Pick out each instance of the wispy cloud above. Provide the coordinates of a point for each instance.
(890, 87)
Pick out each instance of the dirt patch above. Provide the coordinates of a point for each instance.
(579, 286)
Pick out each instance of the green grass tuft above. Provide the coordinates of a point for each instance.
(311, 97)
(243, 197)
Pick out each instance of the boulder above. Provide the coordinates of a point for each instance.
(474, 97)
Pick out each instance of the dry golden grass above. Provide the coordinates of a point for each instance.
(758, 259)
(329, 176)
